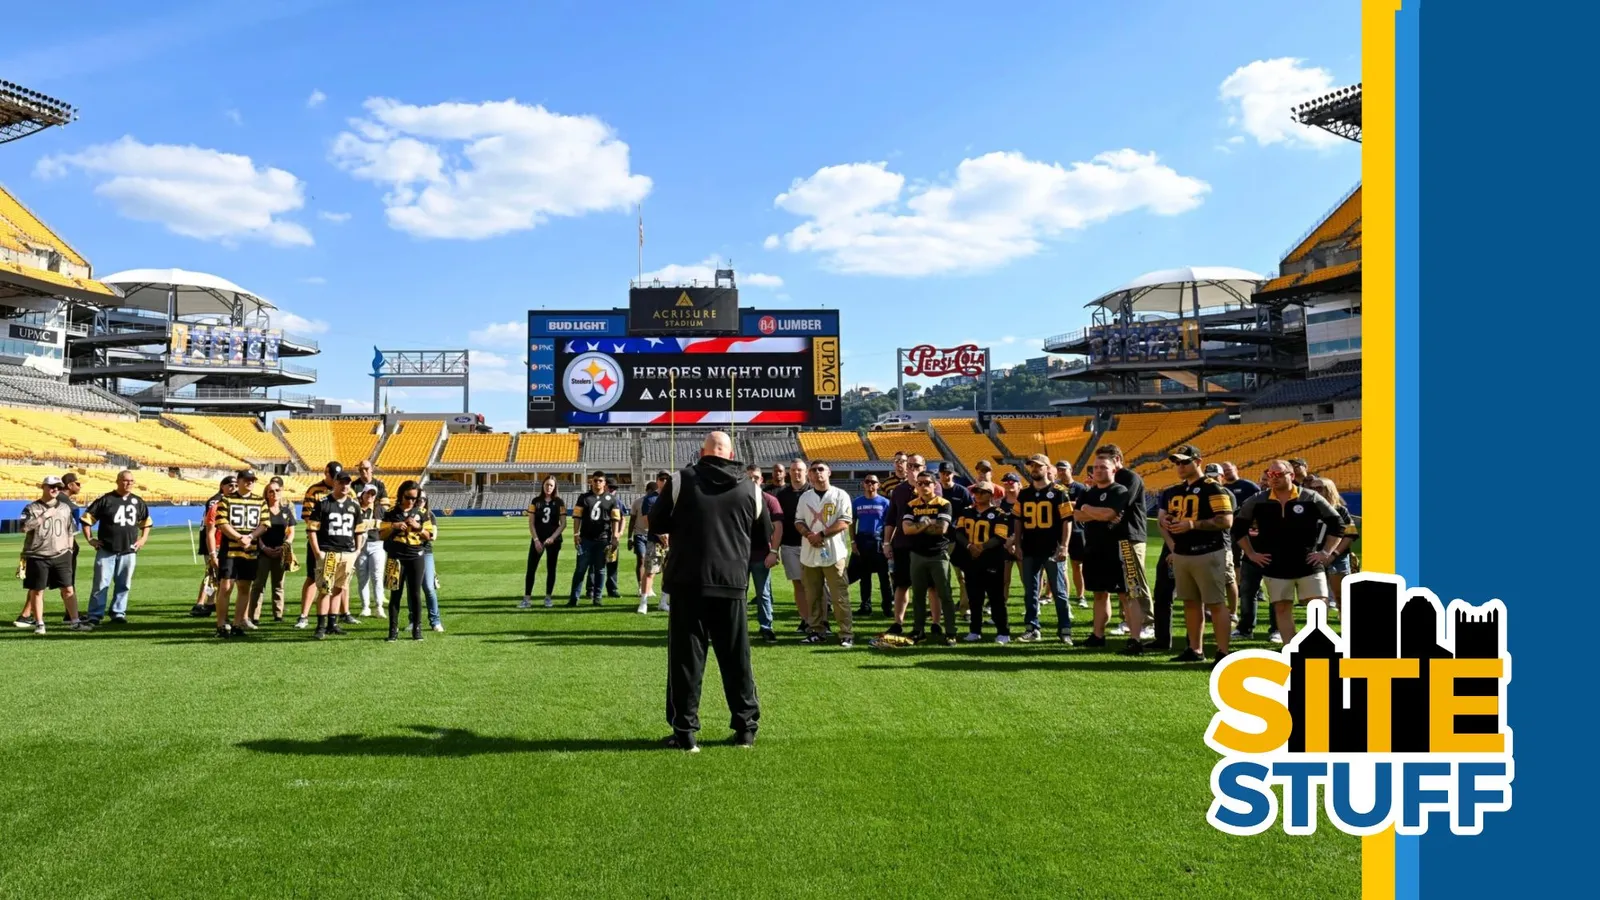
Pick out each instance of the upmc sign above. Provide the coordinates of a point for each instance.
(931, 362)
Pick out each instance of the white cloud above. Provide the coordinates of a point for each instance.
(337, 218)
(478, 170)
(705, 271)
(494, 372)
(288, 321)
(1258, 97)
(316, 99)
(500, 334)
(234, 116)
(193, 191)
(314, 279)
(350, 404)
(996, 208)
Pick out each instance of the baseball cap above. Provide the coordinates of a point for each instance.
(1184, 453)
(370, 488)
(1063, 464)
(227, 480)
(342, 477)
(984, 465)
(1213, 470)
(333, 470)
(51, 481)
(1040, 458)
(986, 487)
(946, 467)
(246, 475)
(1012, 476)
(70, 478)
(1299, 461)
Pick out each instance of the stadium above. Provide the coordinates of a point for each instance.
(183, 378)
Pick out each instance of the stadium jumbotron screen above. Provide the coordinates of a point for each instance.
(589, 369)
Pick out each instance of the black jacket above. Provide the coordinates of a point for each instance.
(712, 512)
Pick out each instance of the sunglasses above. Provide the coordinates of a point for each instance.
(409, 497)
(52, 487)
(922, 481)
(870, 481)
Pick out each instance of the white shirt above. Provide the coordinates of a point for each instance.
(818, 513)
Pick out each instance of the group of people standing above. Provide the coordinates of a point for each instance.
(247, 541)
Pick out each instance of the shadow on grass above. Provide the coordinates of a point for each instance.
(1068, 662)
(446, 742)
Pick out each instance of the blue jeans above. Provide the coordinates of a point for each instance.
(428, 591)
(1057, 573)
(591, 554)
(762, 576)
(108, 568)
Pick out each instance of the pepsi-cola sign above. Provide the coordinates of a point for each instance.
(931, 362)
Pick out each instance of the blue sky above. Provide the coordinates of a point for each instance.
(413, 174)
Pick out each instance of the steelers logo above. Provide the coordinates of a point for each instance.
(592, 382)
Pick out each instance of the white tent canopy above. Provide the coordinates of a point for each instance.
(1173, 290)
(198, 294)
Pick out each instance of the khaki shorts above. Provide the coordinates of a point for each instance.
(334, 570)
(790, 558)
(1233, 567)
(1203, 577)
(1287, 590)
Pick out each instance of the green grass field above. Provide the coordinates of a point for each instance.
(515, 755)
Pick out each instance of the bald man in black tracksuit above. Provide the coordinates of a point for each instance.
(708, 514)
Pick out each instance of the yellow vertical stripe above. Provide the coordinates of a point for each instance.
(1316, 700)
(1378, 342)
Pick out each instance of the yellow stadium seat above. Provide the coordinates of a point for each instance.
(320, 441)
(833, 446)
(238, 436)
(536, 447)
(1341, 220)
(887, 443)
(476, 448)
(19, 226)
(410, 447)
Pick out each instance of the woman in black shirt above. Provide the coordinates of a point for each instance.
(272, 536)
(546, 515)
(405, 529)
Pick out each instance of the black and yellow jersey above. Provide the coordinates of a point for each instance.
(928, 543)
(1038, 517)
(596, 515)
(242, 513)
(549, 516)
(314, 495)
(1203, 499)
(989, 529)
(401, 542)
(336, 523)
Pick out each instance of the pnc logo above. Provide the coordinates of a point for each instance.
(1401, 716)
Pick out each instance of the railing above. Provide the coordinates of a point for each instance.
(1318, 223)
(207, 392)
(301, 341)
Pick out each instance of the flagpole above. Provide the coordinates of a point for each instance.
(733, 392)
(640, 208)
(672, 419)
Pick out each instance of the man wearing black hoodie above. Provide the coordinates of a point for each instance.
(710, 513)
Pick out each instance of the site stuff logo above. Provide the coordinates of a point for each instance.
(1402, 716)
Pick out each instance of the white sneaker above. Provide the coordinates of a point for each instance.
(1122, 628)
(846, 644)
(972, 637)
(1083, 602)
(1148, 632)
(39, 628)
(366, 612)
(548, 603)
(301, 622)
(381, 613)
(525, 604)
(248, 625)
(663, 605)
(439, 628)
(1002, 639)
(644, 607)
(1275, 637)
